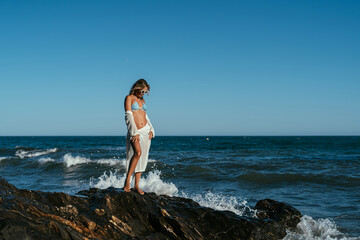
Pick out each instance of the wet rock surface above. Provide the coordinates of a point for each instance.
(115, 214)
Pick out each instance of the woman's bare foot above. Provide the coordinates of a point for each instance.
(139, 190)
(126, 189)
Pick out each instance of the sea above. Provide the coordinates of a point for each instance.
(318, 175)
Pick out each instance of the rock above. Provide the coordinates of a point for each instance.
(115, 214)
(100, 212)
(280, 212)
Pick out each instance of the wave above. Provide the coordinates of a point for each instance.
(69, 161)
(115, 148)
(321, 229)
(45, 160)
(34, 153)
(112, 162)
(3, 158)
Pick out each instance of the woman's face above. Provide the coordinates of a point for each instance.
(142, 92)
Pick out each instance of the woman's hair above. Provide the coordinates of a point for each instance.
(138, 85)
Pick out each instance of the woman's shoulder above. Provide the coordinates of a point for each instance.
(129, 97)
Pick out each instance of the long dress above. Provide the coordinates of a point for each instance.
(144, 141)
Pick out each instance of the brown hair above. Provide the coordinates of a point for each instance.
(138, 85)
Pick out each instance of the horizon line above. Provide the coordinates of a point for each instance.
(290, 135)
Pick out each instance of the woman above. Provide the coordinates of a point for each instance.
(140, 133)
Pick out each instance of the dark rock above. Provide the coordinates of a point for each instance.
(115, 214)
(280, 212)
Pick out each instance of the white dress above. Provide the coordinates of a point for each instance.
(144, 141)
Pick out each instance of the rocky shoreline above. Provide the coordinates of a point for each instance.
(115, 214)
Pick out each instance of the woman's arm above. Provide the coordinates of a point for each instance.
(127, 103)
(129, 118)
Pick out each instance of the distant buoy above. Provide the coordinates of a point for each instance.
(207, 138)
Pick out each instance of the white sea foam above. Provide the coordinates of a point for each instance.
(3, 158)
(45, 160)
(105, 181)
(112, 162)
(152, 183)
(34, 153)
(320, 229)
(222, 202)
(69, 160)
(116, 148)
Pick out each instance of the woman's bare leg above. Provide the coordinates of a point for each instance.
(133, 162)
(137, 179)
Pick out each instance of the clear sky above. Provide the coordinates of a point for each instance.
(214, 67)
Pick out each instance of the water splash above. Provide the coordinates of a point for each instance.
(152, 182)
(320, 229)
(222, 202)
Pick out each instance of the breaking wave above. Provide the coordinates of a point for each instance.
(34, 153)
(69, 161)
(320, 229)
(45, 160)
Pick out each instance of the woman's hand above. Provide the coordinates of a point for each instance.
(150, 135)
(135, 138)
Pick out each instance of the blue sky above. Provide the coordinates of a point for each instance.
(214, 67)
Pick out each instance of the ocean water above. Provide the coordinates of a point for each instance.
(318, 175)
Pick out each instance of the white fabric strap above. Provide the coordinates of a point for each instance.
(130, 123)
(151, 127)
